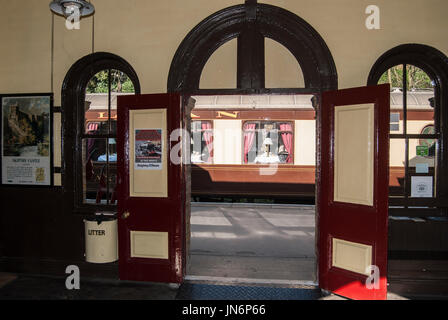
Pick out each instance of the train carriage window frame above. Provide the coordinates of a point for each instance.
(35, 169)
(204, 154)
(267, 140)
(74, 125)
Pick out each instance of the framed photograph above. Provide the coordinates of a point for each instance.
(26, 139)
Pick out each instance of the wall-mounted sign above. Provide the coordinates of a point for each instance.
(423, 151)
(26, 142)
(421, 187)
(421, 168)
(221, 114)
(148, 149)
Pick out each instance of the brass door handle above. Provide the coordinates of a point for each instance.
(125, 215)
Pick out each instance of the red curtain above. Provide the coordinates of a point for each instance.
(287, 139)
(249, 135)
(208, 137)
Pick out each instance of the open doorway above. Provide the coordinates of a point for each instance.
(276, 56)
(252, 178)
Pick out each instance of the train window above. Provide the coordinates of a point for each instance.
(413, 136)
(394, 121)
(268, 142)
(98, 142)
(202, 142)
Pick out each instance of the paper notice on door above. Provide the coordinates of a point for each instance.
(148, 149)
(421, 187)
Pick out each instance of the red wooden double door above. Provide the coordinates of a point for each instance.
(351, 201)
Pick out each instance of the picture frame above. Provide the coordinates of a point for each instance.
(26, 142)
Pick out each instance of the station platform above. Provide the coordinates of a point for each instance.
(252, 241)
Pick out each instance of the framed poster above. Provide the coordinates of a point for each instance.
(26, 139)
(148, 149)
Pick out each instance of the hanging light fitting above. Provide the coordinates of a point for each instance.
(66, 7)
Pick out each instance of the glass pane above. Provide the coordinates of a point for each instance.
(421, 152)
(420, 100)
(99, 176)
(396, 167)
(121, 84)
(285, 142)
(422, 163)
(268, 142)
(430, 142)
(420, 117)
(96, 104)
(417, 79)
(394, 76)
(201, 142)
(250, 137)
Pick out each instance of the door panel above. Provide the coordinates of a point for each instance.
(353, 164)
(139, 121)
(151, 189)
(353, 191)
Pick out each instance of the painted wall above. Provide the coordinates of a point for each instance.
(147, 34)
(150, 31)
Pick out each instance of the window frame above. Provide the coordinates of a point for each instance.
(213, 141)
(292, 123)
(435, 64)
(407, 201)
(85, 135)
(73, 121)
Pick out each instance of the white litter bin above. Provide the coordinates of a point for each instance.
(101, 234)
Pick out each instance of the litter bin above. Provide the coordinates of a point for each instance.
(101, 234)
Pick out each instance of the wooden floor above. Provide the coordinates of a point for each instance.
(6, 278)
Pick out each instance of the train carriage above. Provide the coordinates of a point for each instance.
(260, 146)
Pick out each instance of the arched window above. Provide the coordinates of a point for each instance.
(89, 113)
(418, 179)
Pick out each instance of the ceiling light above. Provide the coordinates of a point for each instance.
(66, 7)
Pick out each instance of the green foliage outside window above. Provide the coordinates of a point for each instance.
(120, 82)
(416, 78)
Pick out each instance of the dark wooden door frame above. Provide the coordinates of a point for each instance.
(251, 23)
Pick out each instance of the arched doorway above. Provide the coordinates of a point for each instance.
(160, 242)
(250, 24)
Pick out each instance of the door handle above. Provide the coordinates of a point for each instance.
(125, 215)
